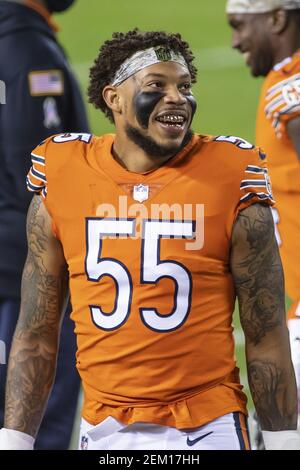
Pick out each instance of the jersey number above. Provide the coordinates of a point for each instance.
(152, 270)
(237, 141)
(71, 136)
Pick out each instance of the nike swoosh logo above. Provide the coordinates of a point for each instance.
(191, 442)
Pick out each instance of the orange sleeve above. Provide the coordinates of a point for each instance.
(36, 178)
(283, 103)
(255, 185)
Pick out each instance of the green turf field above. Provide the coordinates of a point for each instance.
(226, 93)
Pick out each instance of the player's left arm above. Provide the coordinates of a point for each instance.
(259, 282)
(293, 130)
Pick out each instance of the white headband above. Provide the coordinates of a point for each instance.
(142, 59)
(260, 6)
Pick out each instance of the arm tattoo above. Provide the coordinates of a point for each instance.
(258, 277)
(33, 355)
(268, 386)
(258, 274)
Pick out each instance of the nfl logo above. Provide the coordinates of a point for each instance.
(84, 443)
(140, 193)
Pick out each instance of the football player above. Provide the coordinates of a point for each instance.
(159, 229)
(267, 33)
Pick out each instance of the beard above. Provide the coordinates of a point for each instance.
(262, 58)
(262, 65)
(150, 147)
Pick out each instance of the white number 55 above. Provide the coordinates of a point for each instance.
(152, 270)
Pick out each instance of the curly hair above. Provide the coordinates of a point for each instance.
(123, 45)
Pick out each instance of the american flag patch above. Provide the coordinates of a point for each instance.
(46, 82)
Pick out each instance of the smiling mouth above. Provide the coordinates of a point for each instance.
(172, 120)
(246, 56)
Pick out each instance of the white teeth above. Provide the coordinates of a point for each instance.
(246, 56)
(171, 118)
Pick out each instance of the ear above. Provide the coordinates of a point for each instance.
(111, 97)
(279, 21)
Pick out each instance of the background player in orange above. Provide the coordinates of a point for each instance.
(159, 229)
(267, 32)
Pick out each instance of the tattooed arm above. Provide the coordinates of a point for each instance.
(259, 283)
(32, 360)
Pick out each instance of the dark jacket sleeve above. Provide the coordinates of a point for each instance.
(27, 119)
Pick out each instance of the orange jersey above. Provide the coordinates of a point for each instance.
(280, 102)
(148, 258)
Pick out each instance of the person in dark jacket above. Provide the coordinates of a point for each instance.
(41, 98)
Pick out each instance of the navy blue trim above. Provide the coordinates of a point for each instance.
(36, 159)
(38, 175)
(255, 169)
(35, 188)
(262, 197)
(237, 425)
(249, 183)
